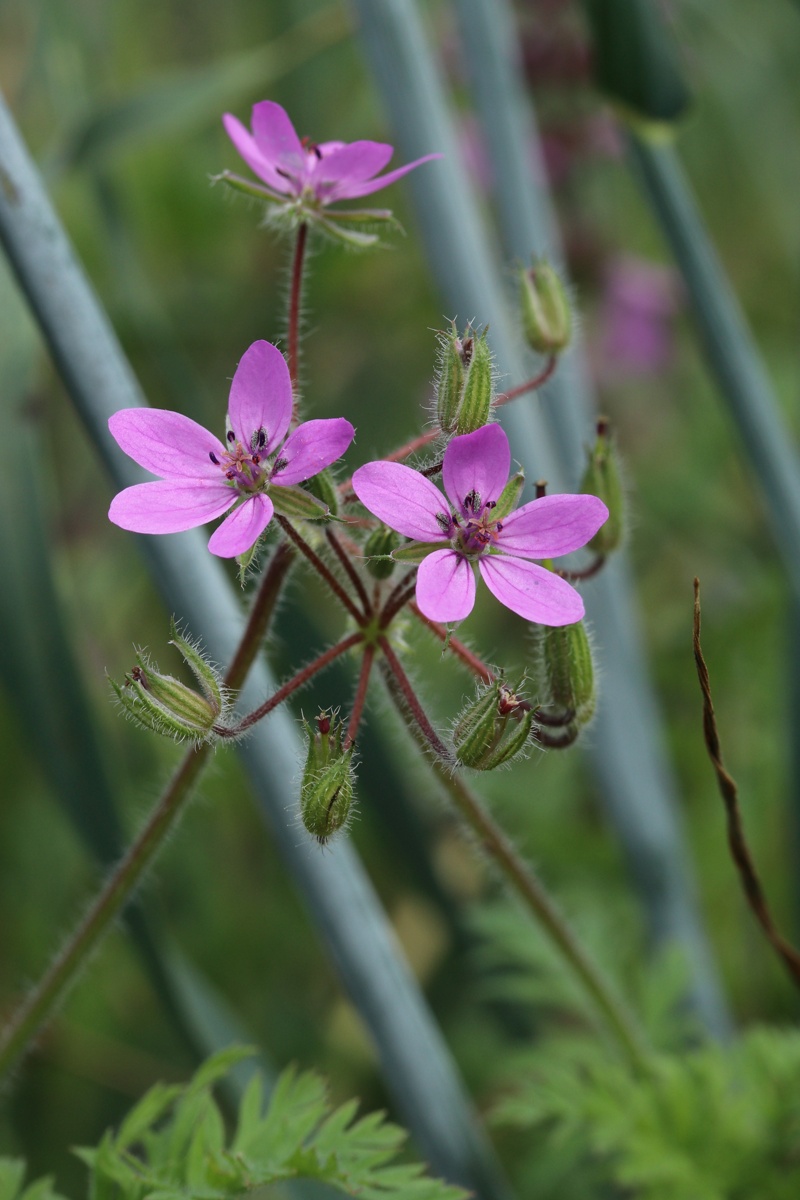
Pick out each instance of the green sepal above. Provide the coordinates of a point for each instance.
(248, 188)
(149, 714)
(245, 562)
(476, 399)
(602, 478)
(416, 552)
(450, 375)
(326, 789)
(493, 729)
(323, 486)
(204, 673)
(565, 670)
(546, 314)
(297, 503)
(509, 496)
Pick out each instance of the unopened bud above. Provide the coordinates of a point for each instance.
(602, 478)
(326, 791)
(323, 486)
(564, 671)
(378, 548)
(465, 381)
(546, 315)
(167, 706)
(494, 728)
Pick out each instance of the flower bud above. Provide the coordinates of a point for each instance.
(465, 382)
(564, 671)
(494, 728)
(323, 486)
(378, 548)
(167, 706)
(326, 791)
(602, 479)
(546, 315)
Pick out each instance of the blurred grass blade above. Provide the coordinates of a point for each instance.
(634, 777)
(732, 356)
(417, 1066)
(179, 101)
(634, 58)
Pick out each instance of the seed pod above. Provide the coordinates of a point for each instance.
(564, 672)
(602, 478)
(327, 787)
(476, 398)
(546, 315)
(465, 381)
(494, 728)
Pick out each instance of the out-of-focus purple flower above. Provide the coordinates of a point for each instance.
(202, 478)
(462, 530)
(310, 175)
(640, 301)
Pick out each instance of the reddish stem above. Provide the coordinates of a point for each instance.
(321, 568)
(475, 664)
(412, 702)
(531, 384)
(397, 598)
(291, 685)
(352, 574)
(584, 572)
(361, 696)
(294, 304)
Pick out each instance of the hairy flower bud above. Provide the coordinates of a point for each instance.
(494, 728)
(465, 381)
(167, 706)
(378, 548)
(602, 478)
(546, 315)
(327, 789)
(564, 673)
(323, 486)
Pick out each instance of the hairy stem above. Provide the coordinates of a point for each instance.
(320, 567)
(524, 883)
(475, 664)
(43, 1000)
(531, 384)
(352, 574)
(297, 681)
(361, 696)
(402, 686)
(294, 304)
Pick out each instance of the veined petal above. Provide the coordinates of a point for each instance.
(166, 443)
(445, 586)
(240, 531)
(354, 190)
(170, 506)
(353, 163)
(261, 395)
(477, 462)
(276, 138)
(551, 525)
(531, 591)
(313, 446)
(247, 147)
(403, 499)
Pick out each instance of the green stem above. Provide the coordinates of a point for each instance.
(40, 1004)
(521, 879)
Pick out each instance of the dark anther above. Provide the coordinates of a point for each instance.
(213, 458)
(491, 504)
(499, 526)
(230, 474)
(285, 174)
(444, 521)
(280, 465)
(472, 500)
(255, 460)
(231, 436)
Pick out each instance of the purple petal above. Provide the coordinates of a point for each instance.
(551, 526)
(477, 462)
(313, 446)
(246, 146)
(531, 591)
(276, 138)
(403, 499)
(445, 586)
(166, 443)
(353, 191)
(261, 395)
(242, 529)
(168, 506)
(354, 163)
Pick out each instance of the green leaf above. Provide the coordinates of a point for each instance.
(635, 61)
(144, 1114)
(12, 1173)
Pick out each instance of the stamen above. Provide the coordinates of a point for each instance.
(444, 521)
(230, 436)
(280, 465)
(472, 500)
(213, 458)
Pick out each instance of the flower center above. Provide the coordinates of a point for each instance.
(244, 467)
(475, 532)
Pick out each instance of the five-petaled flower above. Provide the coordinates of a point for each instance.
(466, 531)
(310, 175)
(201, 478)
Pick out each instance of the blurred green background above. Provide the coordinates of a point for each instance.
(121, 104)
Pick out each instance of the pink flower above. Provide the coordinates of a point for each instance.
(315, 174)
(201, 478)
(465, 531)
